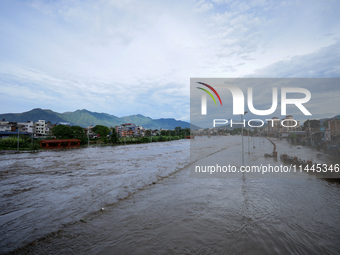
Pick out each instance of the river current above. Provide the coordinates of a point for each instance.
(51, 202)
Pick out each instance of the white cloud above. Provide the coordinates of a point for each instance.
(203, 6)
(124, 57)
(323, 63)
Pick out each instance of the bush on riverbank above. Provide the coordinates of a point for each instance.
(25, 143)
(145, 139)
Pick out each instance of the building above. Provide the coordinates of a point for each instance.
(118, 130)
(3, 122)
(274, 125)
(290, 124)
(28, 126)
(332, 130)
(128, 130)
(88, 131)
(5, 128)
(40, 127)
(48, 127)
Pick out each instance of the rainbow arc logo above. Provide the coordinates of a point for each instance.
(208, 92)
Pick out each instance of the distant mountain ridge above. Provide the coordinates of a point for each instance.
(85, 118)
(330, 118)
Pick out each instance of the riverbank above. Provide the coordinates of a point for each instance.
(120, 143)
(16, 152)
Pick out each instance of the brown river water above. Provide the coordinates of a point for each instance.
(51, 202)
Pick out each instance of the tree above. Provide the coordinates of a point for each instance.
(103, 131)
(77, 132)
(292, 137)
(236, 131)
(314, 124)
(114, 135)
(62, 132)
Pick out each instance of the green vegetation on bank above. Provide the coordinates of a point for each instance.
(25, 143)
(129, 140)
(165, 135)
(69, 132)
(107, 136)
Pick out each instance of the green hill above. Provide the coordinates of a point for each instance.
(85, 118)
(33, 115)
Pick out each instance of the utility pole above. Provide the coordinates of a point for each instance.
(88, 140)
(242, 142)
(32, 134)
(253, 140)
(310, 130)
(242, 138)
(18, 138)
(248, 142)
(336, 132)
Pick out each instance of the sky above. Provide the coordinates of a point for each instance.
(137, 57)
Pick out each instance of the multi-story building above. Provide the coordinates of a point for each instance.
(28, 126)
(118, 130)
(48, 127)
(128, 129)
(40, 127)
(3, 122)
(5, 128)
(334, 126)
(274, 125)
(332, 130)
(290, 123)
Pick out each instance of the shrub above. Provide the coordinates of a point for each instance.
(34, 146)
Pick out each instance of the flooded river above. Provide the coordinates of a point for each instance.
(51, 202)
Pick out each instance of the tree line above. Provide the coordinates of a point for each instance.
(77, 132)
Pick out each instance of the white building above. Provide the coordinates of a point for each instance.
(28, 126)
(275, 125)
(40, 127)
(4, 122)
(5, 128)
(289, 122)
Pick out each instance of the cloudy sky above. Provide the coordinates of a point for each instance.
(129, 57)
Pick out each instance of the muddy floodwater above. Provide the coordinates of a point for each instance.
(51, 202)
